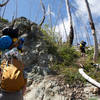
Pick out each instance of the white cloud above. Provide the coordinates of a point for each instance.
(60, 29)
(94, 6)
(95, 10)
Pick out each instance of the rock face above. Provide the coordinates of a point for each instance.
(42, 85)
(35, 49)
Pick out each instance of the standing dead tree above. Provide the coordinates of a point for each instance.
(44, 12)
(71, 33)
(93, 32)
(1, 5)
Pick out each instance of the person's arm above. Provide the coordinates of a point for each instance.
(15, 44)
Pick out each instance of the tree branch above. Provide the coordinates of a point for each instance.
(43, 7)
(1, 5)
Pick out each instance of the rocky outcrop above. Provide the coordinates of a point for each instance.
(53, 88)
(50, 88)
(35, 48)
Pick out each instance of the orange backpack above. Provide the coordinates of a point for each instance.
(12, 75)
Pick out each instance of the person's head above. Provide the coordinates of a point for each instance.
(12, 32)
(82, 41)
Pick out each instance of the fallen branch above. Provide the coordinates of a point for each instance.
(88, 78)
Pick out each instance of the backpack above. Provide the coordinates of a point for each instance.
(82, 44)
(12, 75)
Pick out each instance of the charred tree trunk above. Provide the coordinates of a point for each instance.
(71, 33)
(95, 56)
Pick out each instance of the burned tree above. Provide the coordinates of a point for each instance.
(71, 33)
(93, 32)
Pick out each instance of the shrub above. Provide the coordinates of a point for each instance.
(65, 63)
(72, 76)
(51, 43)
(69, 55)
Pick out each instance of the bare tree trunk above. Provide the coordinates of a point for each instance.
(50, 18)
(4, 11)
(93, 32)
(71, 33)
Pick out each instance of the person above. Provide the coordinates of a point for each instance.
(11, 56)
(13, 89)
(82, 47)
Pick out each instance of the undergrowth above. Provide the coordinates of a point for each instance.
(90, 69)
(66, 58)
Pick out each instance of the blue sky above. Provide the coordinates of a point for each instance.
(31, 9)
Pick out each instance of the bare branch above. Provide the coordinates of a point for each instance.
(13, 22)
(44, 12)
(1, 5)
